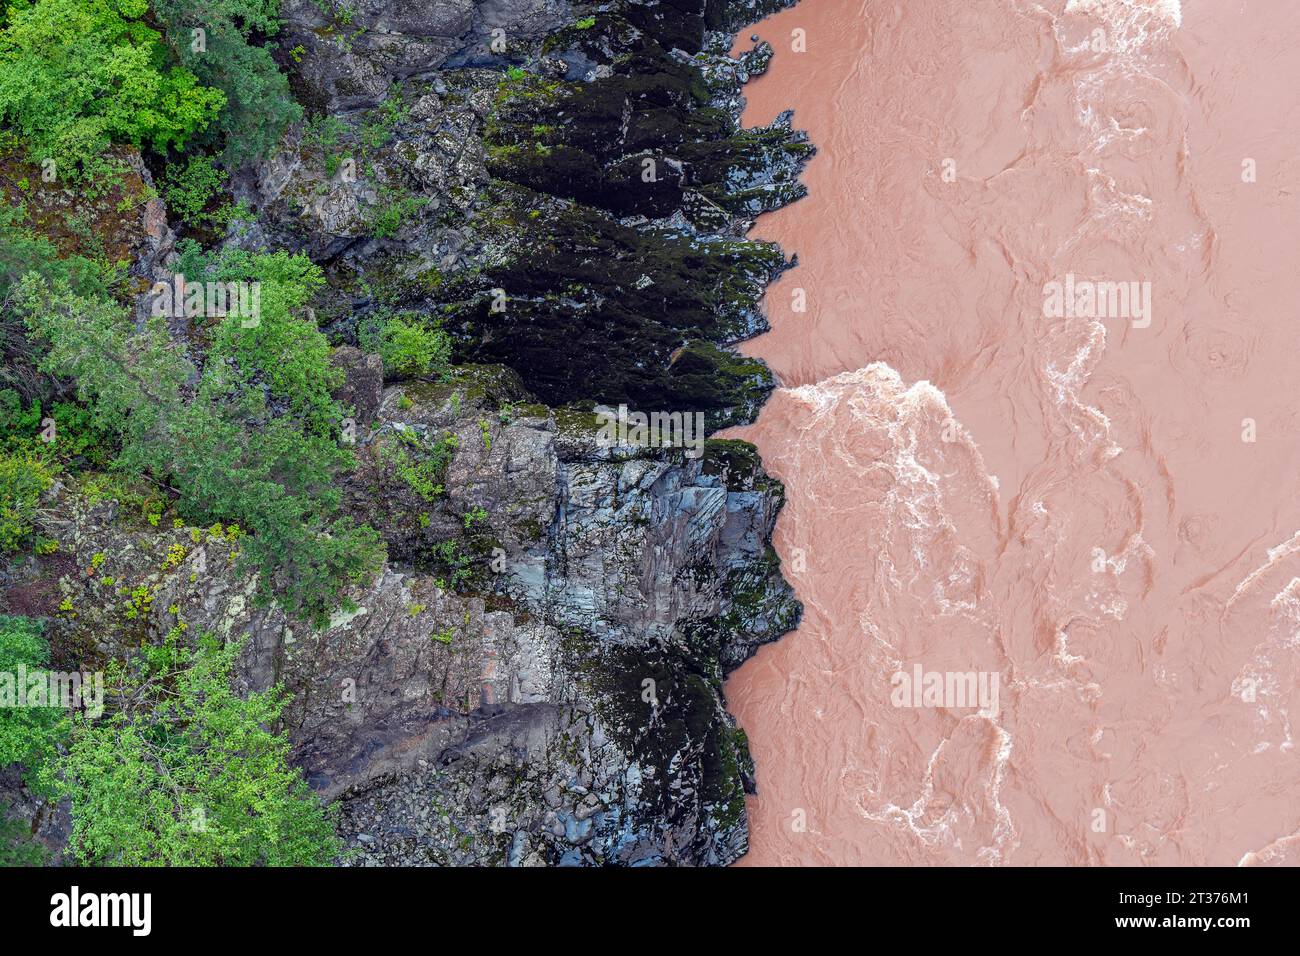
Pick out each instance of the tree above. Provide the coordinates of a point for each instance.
(258, 105)
(184, 772)
(27, 734)
(231, 455)
(79, 75)
(283, 348)
(131, 380)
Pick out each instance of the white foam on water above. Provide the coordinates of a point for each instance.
(1124, 11)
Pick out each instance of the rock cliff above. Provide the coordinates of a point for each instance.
(535, 676)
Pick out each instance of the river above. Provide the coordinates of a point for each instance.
(1040, 433)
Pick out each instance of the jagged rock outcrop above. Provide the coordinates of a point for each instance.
(348, 54)
(559, 702)
(581, 221)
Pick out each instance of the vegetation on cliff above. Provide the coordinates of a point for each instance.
(183, 772)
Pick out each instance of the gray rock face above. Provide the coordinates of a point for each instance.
(352, 53)
(551, 693)
(321, 193)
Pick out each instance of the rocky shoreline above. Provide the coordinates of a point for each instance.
(535, 676)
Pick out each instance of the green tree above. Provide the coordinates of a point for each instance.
(79, 75)
(131, 380)
(27, 734)
(184, 772)
(258, 104)
(229, 454)
(23, 251)
(283, 348)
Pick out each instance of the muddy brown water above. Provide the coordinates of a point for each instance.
(1095, 510)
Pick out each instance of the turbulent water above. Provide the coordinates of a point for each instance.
(1091, 508)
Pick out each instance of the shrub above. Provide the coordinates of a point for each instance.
(394, 210)
(79, 75)
(77, 440)
(407, 345)
(27, 734)
(129, 380)
(22, 480)
(183, 772)
(423, 472)
(23, 251)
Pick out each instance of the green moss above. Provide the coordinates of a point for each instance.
(738, 465)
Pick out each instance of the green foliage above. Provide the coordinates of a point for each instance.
(183, 772)
(27, 734)
(454, 565)
(408, 345)
(18, 426)
(78, 441)
(284, 349)
(420, 464)
(77, 76)
(129, 379)
(276, 481)
(17, 848)
(324, 132)
(586, 23)
(189, 188)
(232, 454)
(23, 478)
(394, 210)
(379, 127)
(23, 251)
(258, 105)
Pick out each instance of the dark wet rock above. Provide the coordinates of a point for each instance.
(580, 218)
(363, 383)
